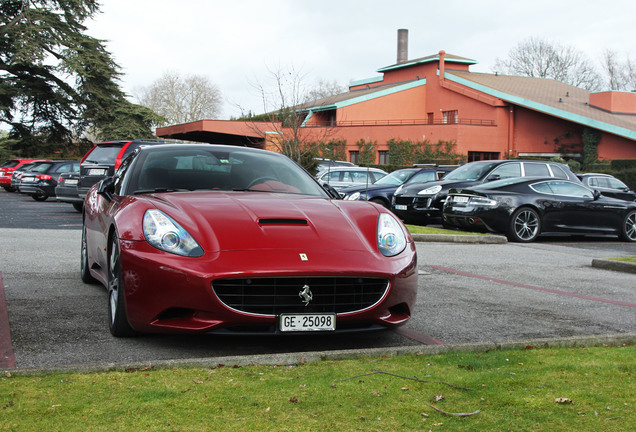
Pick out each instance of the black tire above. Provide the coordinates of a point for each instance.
(39, 197)
(628, 228)
(79, 206)
(524, 226)
(117, 319)
(85, 273)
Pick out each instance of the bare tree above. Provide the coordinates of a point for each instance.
(323, 89)
(286, 99)
(619, 75)
(182, 99)
(535, 57)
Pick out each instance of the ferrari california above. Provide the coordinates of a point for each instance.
(524, 208)
(209, 238)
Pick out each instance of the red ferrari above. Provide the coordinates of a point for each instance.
(207, 238)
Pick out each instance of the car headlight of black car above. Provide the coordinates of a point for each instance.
(391, 237)
(354, 196)
(430, 191)
(164, 233)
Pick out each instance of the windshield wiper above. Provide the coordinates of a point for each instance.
(158, 190)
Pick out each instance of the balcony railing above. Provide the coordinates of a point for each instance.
(402, 122)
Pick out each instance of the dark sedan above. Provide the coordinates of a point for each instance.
(608, 185)
(419, 203)
(524, 208)
(41, 179)
(66, 190)
(381, 192)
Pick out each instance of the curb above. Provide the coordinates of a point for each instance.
(454, 238)
(299, 358)
(614, 265)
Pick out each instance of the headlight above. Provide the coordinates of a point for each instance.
(430, 191)
(354, 196)
(391, 237)
(164, 233)
(398, 190)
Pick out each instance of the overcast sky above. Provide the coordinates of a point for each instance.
(234, 43)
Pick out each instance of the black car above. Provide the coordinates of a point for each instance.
(419, 203)
(382, 191)
(524, 208)
(104, 158)
(41, 179)
(66, 190)
(608, 185)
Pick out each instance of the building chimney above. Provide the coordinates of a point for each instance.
(442, 64)
(403, 46)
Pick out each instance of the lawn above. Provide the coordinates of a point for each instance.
(537, 389)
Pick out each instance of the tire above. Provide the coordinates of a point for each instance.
(85, 273)
(39, 197)
(524, 226)
(628, 228)
(79, 206)
(117, 319)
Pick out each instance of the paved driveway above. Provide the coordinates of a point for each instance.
(467, 293)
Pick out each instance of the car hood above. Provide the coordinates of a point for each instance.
(414, 188)
(222, 221)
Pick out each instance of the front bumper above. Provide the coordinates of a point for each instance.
(166, 293)
(420, 209)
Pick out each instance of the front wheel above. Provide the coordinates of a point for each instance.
(118, 321)
(628, 228)
(85, 272)
(39, 197)
(525, 225)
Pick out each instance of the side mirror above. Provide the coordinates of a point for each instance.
(106, 188)
(493, 177)
(333, 193)
(597, 194)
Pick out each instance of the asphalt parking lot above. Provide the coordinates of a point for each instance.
(467, 293)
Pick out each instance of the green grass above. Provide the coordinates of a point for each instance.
(514, 390)
(416, 229)
(630, 259)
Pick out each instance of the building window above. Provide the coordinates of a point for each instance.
(384, 157)
(477, 156)
(449, 117)
(354, 156)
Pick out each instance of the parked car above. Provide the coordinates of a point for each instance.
(340, 178)
(66, 190)
(381, 192)
(608, 185)
(8, 168)
(41, 179)
(201, 238)
(104, 158)
(524, 208)
(421, 203)
(16, 177)
(328, 164)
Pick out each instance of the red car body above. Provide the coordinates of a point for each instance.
(8, 167)
(253, 237)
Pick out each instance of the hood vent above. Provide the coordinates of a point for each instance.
(282, 221)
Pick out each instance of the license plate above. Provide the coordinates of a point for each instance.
(460, 199)
(400, 207)
(307, 322)
(70, 182)
(96, 172)
(28, 179)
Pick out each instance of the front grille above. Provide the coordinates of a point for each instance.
(403, 200)
(422, 203)
(273, 296)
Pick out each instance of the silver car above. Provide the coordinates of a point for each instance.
(340, 178)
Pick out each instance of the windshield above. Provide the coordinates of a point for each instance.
(395, 178)
(162, 169)
(471, 171)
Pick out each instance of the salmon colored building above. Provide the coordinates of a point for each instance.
(437, 98)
